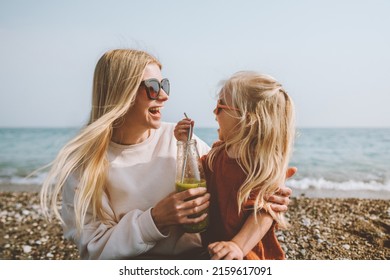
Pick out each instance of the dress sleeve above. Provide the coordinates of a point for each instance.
(131, 235)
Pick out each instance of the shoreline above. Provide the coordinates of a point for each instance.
(310, 193)
(359, 194)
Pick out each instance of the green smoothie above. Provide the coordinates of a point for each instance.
(189, 184)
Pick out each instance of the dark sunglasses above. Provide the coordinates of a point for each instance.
(153, 87)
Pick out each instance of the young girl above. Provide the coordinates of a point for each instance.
(256, 132)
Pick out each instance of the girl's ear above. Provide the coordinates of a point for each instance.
(291, 171)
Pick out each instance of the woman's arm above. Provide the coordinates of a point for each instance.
(250, 234)
(134, 233)
(280, 200)
(119, 237)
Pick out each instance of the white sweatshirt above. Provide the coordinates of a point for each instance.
(139, 176)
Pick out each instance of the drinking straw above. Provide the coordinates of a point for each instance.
(189, 136)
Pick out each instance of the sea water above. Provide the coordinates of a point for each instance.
(23, 150)
(326, 158)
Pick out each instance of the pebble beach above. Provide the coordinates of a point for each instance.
(321, 229)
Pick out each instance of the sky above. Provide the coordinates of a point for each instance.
(333, 57)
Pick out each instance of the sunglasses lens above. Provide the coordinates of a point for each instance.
(165, 86)
(153, 88)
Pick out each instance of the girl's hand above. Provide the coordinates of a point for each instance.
(176, 207)
(281, 199)
(225, 250)
(181, 129)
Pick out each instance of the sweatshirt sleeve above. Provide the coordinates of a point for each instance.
(128, 236)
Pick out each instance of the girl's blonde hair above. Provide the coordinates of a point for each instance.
(264, 137)
(117, 77)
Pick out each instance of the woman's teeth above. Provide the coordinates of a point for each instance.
(154, 110)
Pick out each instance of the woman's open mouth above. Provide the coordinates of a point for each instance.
(155, 111)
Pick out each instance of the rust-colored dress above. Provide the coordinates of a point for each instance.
(225, 222)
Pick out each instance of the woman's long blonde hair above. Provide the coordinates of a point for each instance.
(264, 136)
(117, 77)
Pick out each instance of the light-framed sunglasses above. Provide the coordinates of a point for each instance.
(153, 87)
(221, 106)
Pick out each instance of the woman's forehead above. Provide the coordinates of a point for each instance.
(152, 70)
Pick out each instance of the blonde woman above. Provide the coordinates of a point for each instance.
(256, 132)
(116, 177)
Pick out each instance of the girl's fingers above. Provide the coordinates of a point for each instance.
(220, 254)
(215, 247)
(212, 245)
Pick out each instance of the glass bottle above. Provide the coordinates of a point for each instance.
(190, 174)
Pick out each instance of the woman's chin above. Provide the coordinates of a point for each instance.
(154, 123)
